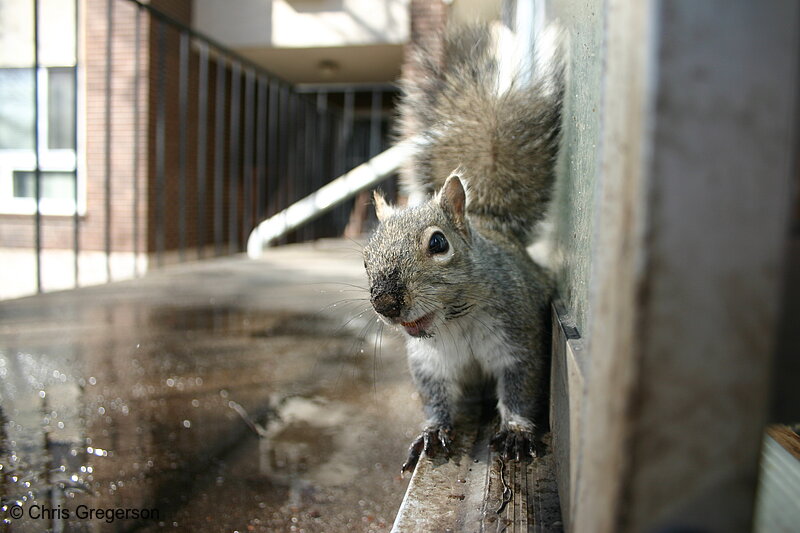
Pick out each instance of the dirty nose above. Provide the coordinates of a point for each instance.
(387, 292)
(386, 304)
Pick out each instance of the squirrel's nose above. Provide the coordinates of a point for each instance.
(386, 304)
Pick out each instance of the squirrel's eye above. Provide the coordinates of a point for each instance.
(438, 243)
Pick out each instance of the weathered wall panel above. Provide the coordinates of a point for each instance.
(582, 22)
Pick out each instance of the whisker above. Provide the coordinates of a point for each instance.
(339, 283)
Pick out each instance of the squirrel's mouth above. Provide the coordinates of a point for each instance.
(419, 327)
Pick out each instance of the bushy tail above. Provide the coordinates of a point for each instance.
(502, 133)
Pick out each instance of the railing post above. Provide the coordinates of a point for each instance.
(37, 169)
(136, 133)
(75, 192)
(161, 201)
(233, 161)
(183, 114)
(247, 208)
(261, 148)
(219, 151)
(202, 125)
(272, 148)
(107, 136)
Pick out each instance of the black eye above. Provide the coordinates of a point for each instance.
(438, 243)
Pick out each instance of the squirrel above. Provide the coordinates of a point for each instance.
(453, 273)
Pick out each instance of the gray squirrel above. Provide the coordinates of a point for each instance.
(453, 273)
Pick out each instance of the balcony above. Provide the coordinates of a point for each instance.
(155, 367)
(155, 144)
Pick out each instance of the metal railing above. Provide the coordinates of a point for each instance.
(279, 143)
(217, 144)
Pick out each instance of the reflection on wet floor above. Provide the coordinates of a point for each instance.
(245, 410)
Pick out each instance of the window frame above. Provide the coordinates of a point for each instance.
(50, 160)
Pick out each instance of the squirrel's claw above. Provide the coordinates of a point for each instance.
(427, 440)
(514, 443)
(414, 451)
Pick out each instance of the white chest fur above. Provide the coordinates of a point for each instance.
(461, 347)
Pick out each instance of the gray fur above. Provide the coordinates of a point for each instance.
(505, 144)
(479, 311)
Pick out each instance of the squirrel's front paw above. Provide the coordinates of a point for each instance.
(431, 437)
(514, 442)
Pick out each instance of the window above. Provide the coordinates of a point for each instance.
(61, 108)
(52, 184)
(57, 159)
(16, 109)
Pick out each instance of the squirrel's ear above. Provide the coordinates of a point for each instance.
(382, 208)
(453, 199)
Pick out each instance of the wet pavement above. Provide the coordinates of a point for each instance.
(225, 395)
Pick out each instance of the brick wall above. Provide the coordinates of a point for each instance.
(124, 185)
(428, 20)
(158, 200)
(57, 231)
(126, 223)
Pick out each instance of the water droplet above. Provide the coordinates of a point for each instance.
(60, 425)
(170, 382)
(101, 410)
(92, 380)
(187, 424)
(195, 403)
(42, 394)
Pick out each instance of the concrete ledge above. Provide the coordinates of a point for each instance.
(476, 491)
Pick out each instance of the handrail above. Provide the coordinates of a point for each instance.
(209, 41)
(326, 198)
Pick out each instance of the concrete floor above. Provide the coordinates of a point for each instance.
(225, 395)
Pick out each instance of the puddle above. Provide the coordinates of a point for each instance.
(200, 418)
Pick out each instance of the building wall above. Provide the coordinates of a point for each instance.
(127, 223)
(578, 171)
(671, 228)
(313, 41)
(428, 21)
(303, 23)
(56, 49)
(165, 91)
(57, 231)
(145, 206)
(124, 185)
